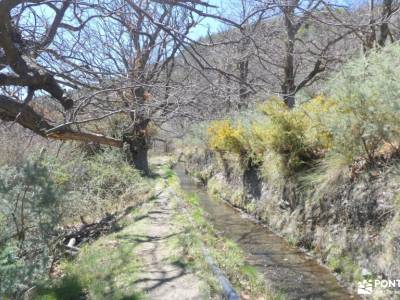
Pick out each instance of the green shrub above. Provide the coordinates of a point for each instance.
(109, 175)
(37, 196)
(98, 184)
(368, 105)
(30, 209)
(110, 182)
(67, 288)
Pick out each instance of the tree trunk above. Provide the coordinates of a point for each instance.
(387, 11)
(137, 153)
(243, 89)
(288, 85)
(140, 158)
(289, 100)
(370, 36)
(252, 183)
(243, 68)
(138, 145)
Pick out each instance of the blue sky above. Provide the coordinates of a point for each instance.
(207, 23)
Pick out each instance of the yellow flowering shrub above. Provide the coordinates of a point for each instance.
(224, 136)
(298, 134)
(285, 132)
(245, 141)
(315, 110)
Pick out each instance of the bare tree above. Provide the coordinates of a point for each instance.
(118, 56)
(68, 66)
(25, 45)
(372, 22)
(308, 49)
(379, 23)
(269, 47)
(134, 50)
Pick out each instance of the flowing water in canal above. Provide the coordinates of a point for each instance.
(284, 267)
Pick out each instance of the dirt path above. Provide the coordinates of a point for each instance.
(161, 278)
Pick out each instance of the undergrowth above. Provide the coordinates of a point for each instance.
(40, 194)
(106, 269)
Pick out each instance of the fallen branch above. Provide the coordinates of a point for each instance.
(88, 232)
